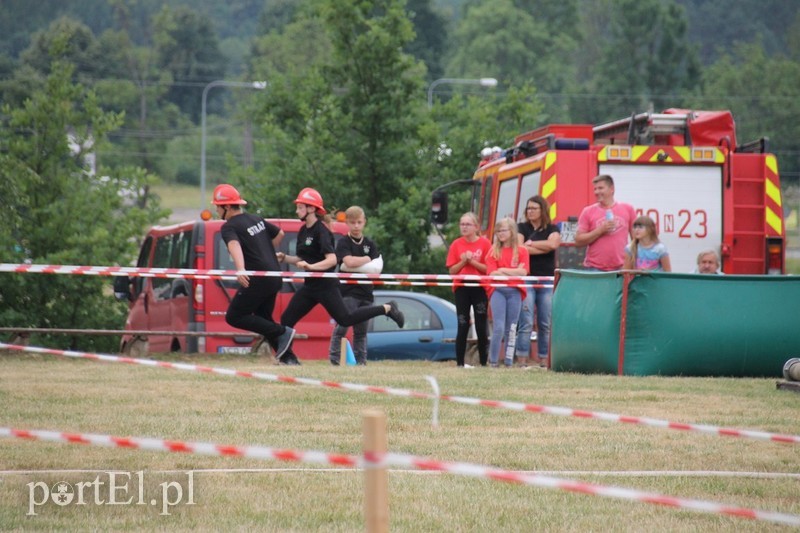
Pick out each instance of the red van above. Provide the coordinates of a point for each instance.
(180, 305)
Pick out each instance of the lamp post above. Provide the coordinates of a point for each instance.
(260, 85)
(484, 82)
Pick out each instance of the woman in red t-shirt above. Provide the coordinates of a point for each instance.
(467, 255)
(507, 258)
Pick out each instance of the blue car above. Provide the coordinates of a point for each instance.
(429, 332)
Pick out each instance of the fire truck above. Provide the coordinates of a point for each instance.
(682, 168)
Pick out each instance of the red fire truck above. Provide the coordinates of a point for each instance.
(682, 168)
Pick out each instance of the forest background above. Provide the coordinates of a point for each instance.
(345, 110)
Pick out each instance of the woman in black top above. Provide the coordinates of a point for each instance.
(541, 238)
(316, 252)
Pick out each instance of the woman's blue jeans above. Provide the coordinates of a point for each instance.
(542, 299)
(505, 303)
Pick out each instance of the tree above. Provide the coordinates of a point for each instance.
(139, 88)
(646, 61)
(430, 29)
(62, 213)
(21, 19)
(738, 81)
(188, 49)
(351, 120)
(520, 42)
(347, 118)
(125, 78)
(463, 126)
(717, 26)
(347, 123)
(65, 39)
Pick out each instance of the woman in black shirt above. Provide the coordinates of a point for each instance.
(316, 252)
(541, 238)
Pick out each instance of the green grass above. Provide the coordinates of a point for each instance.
(175, 196)
(83, 396)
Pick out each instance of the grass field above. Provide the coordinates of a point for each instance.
(41, 392)
(176, 196)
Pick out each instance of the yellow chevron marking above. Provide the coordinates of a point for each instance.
(772, 163)
(774, 221)
(549, 160)
(683, 151)
(549, 186)
(638, 151)
(772, 192)
(553, 211)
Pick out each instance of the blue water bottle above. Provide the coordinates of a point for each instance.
(609, 214)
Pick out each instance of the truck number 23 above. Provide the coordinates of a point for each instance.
(690, 223)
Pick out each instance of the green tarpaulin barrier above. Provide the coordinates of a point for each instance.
(674, 324)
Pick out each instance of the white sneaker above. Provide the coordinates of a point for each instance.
(468, 366)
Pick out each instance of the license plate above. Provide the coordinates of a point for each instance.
(568, 230)
(234, 349)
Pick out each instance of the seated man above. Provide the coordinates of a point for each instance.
(707, 263)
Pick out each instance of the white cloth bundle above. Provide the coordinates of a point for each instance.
(373, 267)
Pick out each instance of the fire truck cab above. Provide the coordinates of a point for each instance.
(682, 168)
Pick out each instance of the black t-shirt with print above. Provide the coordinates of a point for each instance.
(365, 247)
(255, 235)
(313, 244)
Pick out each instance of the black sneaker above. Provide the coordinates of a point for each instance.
(284, 341)
(395, 314)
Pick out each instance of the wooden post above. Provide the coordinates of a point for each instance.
(376, 480)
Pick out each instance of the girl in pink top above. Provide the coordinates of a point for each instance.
(467, 255)
(507, 258)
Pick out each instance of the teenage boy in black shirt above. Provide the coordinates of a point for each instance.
(355, 253)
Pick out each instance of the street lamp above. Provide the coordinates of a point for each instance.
(260, 85)
(484, 82)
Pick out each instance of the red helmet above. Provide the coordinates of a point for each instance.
(311, 197)
(225, 194)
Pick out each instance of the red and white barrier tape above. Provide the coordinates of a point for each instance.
(375, 460)
(497, 404)
(425, 280)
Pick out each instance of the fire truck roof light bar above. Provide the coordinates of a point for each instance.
(658, 123)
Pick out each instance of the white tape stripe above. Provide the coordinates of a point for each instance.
(355, 278)
(598, 473)
(514, 406)
(408, 461)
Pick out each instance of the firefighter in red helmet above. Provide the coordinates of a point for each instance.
(316, 253)
(251, 241)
